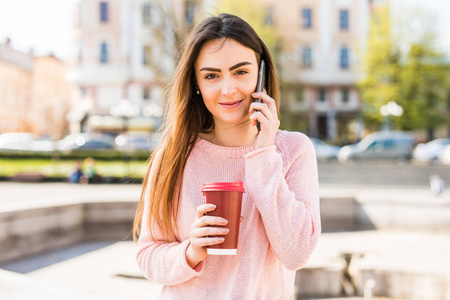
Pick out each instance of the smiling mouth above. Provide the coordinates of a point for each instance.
(231, 105)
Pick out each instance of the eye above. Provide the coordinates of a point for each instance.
(241, 72)
(210, 76)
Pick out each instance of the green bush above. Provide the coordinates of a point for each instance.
(103, 154)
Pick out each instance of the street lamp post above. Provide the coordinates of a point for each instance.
(125, 109)
(388, 110)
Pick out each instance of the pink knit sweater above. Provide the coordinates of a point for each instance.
(280, 229)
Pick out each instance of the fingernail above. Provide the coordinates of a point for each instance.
(224, 221)
(212, 206)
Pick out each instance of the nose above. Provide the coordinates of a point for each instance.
(228, 87)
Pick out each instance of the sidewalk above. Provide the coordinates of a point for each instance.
(110, 271)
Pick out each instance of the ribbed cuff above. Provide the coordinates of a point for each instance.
(259, 150)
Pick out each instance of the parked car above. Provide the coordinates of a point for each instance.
(379, 145)
(325, 152)
(135, 140)
(16, 141)
(444, 157)
(431, 151)
(85, 141)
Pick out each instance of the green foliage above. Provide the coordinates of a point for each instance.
(413, 75)
(253, 13)
(62, 168)
(104, 155)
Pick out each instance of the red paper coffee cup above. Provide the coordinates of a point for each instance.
(227, 196)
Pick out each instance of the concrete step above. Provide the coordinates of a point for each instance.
(381, 173)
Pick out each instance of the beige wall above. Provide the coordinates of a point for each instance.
(15, 97)
(51, 96)
(34, 97)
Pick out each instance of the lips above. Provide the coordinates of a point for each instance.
(231, 104)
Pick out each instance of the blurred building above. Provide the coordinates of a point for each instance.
(124, 49)
(15, 89)
(123, 56)
(320, 41)
(34, 94)
(52, 96)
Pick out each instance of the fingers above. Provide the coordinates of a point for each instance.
(209, 232)
(262, 110)
(205, 233)
(203, 209)
(265, 99)
(204, 242)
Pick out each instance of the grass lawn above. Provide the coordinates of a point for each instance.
(63, 168)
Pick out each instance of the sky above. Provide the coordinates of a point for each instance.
(45, 25)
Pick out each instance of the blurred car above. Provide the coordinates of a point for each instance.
(379, 145)
(325, 152)
(85, 141)
(133, 141)
(25, 141)
(431, 151)
(17, 141)
(444, 157)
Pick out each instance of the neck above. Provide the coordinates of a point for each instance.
(232, 136)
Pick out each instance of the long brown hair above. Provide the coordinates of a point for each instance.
(186, 117)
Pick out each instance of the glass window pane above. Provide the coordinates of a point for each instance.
(344, 58)
(104, 53)
(343, 19)
(306, 18)
(103, 11)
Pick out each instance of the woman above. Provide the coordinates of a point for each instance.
(212, 136)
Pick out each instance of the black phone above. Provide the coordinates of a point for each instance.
(260, 85)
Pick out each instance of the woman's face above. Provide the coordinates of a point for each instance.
(226, 74)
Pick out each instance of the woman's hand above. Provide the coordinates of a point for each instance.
(203, 233)
(266, 114)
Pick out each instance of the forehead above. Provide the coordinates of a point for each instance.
(224, 51)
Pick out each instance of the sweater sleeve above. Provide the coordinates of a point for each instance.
(288, 201)
(161, 261)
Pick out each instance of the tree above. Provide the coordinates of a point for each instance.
(409, 72)
(422, 90)
(255, 14)
(381, 66)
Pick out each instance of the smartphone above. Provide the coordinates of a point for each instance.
(260, 85)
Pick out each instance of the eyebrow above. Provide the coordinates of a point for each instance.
(231, 68)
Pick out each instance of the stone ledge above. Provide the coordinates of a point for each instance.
(32, 231)
(20, 287)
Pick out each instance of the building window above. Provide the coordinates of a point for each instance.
(189, 12)
(343, 19)
(345, 93)
(268, 20)
(343, 58)
(299, 95)
(147, 54)
(322, 95)
(307, 57)
(147, 14)
(104, 53)
(104, 11)
(146, 93)
(306, 18)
